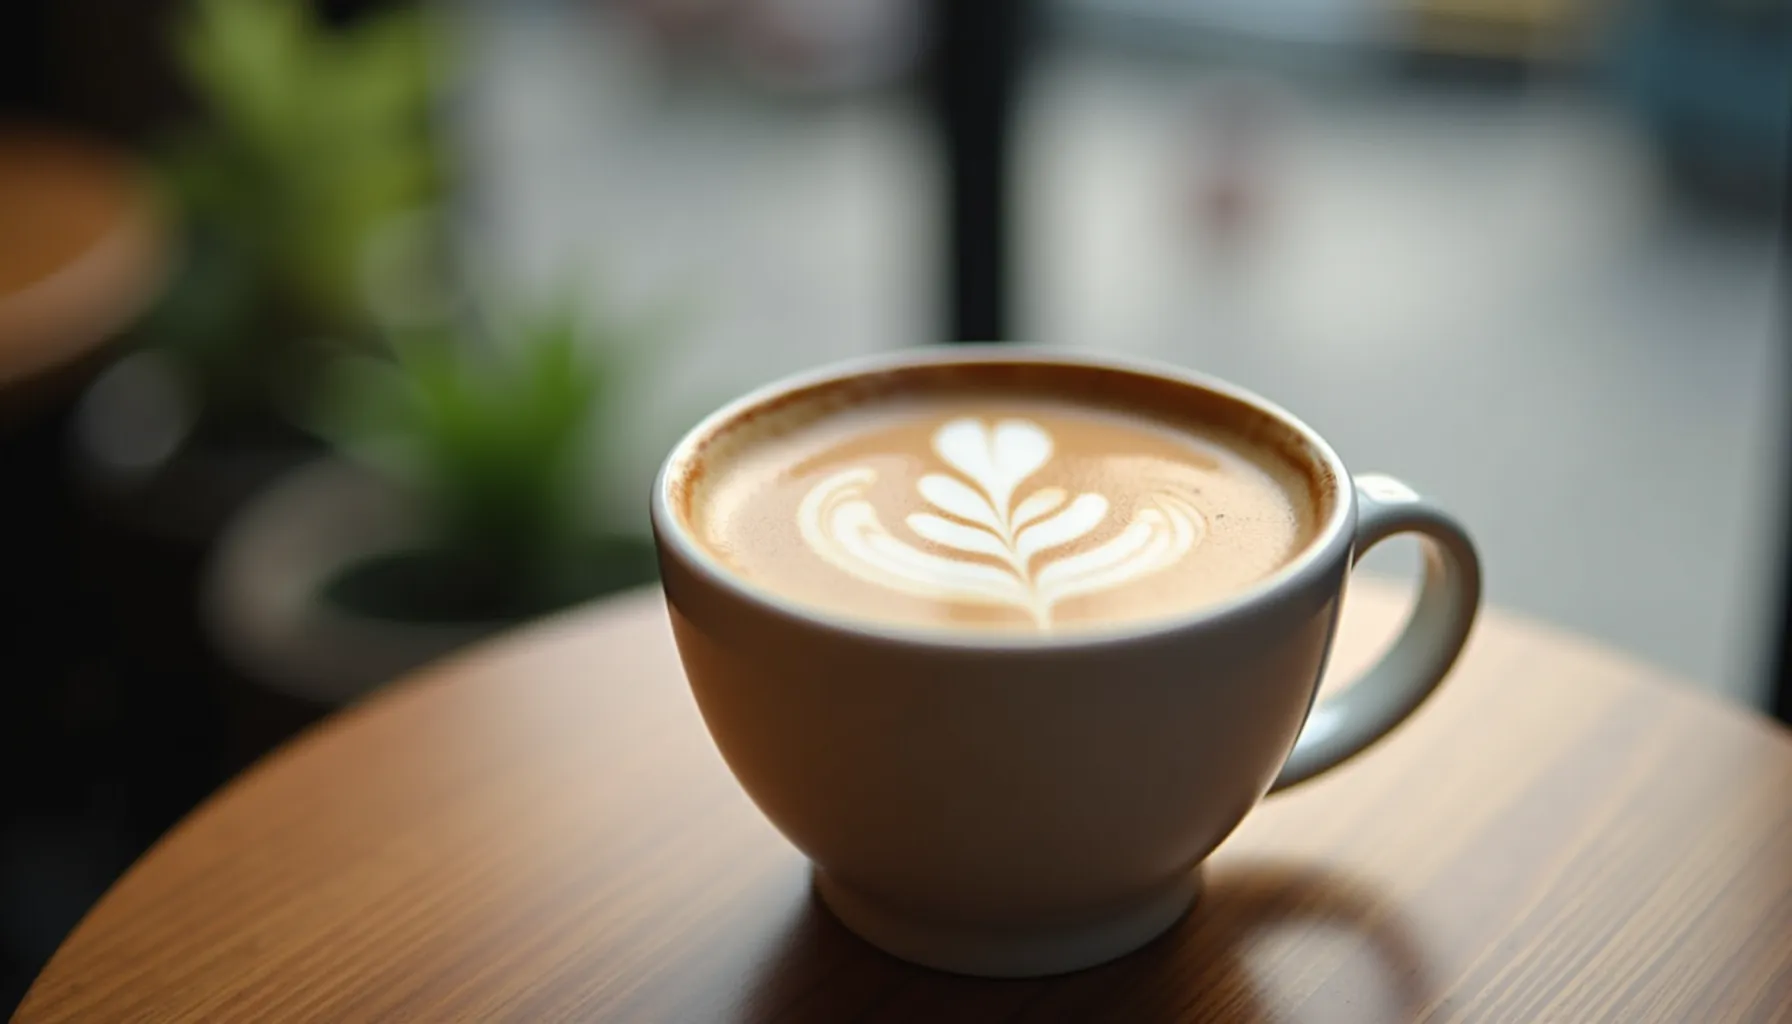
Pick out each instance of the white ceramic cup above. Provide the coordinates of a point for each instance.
(1017, 806)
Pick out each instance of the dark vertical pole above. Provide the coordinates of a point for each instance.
(1779, 699)
(977, 46)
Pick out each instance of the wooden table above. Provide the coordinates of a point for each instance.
(542, 830)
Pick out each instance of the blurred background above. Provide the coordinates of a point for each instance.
(336, 335)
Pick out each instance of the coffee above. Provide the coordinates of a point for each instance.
(1002, 504)
(1019, 773)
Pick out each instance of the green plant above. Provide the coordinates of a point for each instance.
(314, 141)
(494, 438)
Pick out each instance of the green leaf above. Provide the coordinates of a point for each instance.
(315, 139)
(493, 433)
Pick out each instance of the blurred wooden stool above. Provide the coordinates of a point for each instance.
(83, 251)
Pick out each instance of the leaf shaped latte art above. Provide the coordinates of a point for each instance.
(981, 519)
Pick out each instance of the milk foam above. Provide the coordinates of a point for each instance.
(1007, 512)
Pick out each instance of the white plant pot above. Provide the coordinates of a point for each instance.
(263, 598)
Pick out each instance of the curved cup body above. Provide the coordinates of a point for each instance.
(1011, 808)
(1008, 793)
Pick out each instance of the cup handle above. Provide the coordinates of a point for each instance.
(1345, 723)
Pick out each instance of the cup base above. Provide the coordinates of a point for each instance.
(994, 953)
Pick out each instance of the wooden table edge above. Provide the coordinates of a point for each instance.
(419, 685)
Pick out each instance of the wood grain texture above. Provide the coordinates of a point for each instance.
(543, 831)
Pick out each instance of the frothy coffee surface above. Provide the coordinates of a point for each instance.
(998, 511)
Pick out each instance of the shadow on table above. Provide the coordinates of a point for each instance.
(1269, 942)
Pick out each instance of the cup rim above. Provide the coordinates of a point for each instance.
(1330, 543)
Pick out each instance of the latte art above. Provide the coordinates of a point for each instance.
(1002, 549)
(995, 509)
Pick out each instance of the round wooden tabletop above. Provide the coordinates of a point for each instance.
(542, 830)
